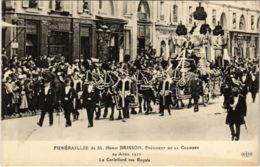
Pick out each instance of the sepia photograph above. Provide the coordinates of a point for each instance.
(129, 82)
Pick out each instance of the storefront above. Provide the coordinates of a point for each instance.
(84, 43)
(45, 36)
(60, 39)
(54, 35)
(110, 38)
(244, 45)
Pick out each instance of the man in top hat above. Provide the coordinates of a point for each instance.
(90, 97)
(47, 96)
(68, 95)
(237, 109)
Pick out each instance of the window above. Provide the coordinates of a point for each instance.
(33, 3)
(175, 14)
(190, 15)
(242, 23)
(161, 10)
(143, 11)
(214, 17)
(252, 22)
(234, 21)
(100, 4)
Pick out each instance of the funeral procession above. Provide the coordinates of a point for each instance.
(127, 70)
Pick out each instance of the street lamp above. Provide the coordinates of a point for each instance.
(103, 36)
(104, 33)
(99, 34)
(107, 35)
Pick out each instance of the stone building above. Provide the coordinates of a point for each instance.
(108, 29)
(239, 19)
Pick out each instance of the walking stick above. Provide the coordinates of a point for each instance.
(245, 125)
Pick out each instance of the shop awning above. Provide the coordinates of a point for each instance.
(112, 19)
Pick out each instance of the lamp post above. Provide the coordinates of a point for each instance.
(99, 40)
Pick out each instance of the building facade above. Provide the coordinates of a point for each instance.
(108, 29)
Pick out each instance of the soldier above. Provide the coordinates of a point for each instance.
(68, 95)
(196, 87)
(47, 96)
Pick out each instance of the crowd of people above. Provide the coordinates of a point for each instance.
(52, 84)
(240, 77)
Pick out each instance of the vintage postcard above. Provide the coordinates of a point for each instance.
(130, 83)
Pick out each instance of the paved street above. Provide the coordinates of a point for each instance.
(183, 124)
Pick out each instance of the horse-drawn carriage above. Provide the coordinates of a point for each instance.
(186, 67)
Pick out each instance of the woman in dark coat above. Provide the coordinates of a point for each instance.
(237, 110)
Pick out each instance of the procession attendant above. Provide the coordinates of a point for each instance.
(108, 94)
(68, 95)
(46, 103)
(77, 85)
(196, 87)
(124, 90)
(164, 91)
